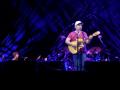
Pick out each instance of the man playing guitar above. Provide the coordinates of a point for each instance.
(76, 41)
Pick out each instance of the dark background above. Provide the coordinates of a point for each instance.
(34, 27)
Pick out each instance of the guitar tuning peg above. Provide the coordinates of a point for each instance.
(98, 32)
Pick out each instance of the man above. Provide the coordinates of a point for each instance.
(80, 56)
(15, 56)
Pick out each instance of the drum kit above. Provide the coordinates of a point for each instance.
(94, 54)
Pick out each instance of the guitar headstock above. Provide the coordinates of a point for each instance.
(96, 33)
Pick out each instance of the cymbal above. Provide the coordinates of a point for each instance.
(94, 50)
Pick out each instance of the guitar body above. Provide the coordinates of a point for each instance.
(74, 50)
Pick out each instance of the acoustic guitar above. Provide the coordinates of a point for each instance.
(80, 43)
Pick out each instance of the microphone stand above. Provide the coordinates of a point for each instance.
(104, 46)
(100, 38)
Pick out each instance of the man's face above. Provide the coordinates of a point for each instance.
(78, 27)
